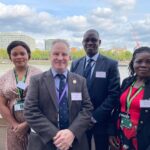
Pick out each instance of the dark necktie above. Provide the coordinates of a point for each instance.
(87, 72)
(63, 104)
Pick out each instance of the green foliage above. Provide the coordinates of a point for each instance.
(40, 55)
(120, 55)
(3, 54)
(77, 54)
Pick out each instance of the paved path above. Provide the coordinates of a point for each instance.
(3, 127)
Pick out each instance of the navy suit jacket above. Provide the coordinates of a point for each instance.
(104, 91)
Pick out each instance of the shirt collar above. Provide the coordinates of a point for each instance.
(55, 73)
(94, 57)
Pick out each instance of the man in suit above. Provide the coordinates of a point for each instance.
(103, 83)
(57, 106)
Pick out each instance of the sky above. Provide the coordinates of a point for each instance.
(120, 23)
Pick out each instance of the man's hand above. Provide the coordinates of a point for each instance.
(64, 139)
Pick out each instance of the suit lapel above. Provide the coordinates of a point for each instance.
(70, 89)
(50, 84)
(81, 65)
(146, 90)
(144, 115)
(127, 84)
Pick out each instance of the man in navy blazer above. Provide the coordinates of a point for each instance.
(103, 86)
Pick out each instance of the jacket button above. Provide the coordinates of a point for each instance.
(141, 122)
(146, 110)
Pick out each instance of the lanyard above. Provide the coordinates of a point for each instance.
(129, 98)
(20, 91)
(63, 93)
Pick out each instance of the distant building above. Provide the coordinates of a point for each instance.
(74, 49)
(48, 43)
(7, 37)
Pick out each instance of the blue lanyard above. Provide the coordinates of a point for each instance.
(63, 93)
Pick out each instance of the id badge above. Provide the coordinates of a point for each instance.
(19, 106)
(125, 121)
(21, 85)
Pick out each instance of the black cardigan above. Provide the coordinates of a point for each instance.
(143, 130)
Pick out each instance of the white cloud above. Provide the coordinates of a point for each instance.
(112, 25)
(141, 29)
(102, 12)
(123, 4)
(123, 19)
(75, 23)
(14, 10)
(105, 19)
(46, 25)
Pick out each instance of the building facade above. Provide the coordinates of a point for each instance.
(48, 43)
(8, 37)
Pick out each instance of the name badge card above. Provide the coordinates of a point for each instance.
(21, 85)
(76, 96)
(125, 121)
(100, 74)
(145, 104)
(19, 106)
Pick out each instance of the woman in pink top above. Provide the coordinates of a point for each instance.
(13, 86)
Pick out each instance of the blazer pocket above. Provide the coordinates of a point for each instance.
(76, 107)
(35, 141)
(77, 104)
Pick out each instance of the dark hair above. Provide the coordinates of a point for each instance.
(18, 43)
(92, 30)
(136, 51)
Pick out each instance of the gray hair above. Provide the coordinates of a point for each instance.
(60, 41)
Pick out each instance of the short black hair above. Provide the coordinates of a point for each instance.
(136, 51)
(92, 30)
(18, 43)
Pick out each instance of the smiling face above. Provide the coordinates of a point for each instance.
(91, 42)
(19, 56)
(60, 57)
(141, 64)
